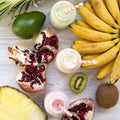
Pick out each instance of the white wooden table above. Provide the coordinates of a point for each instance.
(55, 79)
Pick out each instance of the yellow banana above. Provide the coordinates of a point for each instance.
(103, 13)
(119, 3)
(89, 6)
(104, 58)
(83, 24)
(113, 8)
(115, 75)
(95, 21)
(90, 57)
(105, 70)
(93, 48)
(91, 35)
(80, 42)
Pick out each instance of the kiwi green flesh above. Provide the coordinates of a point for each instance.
(107, 95)
(78, 82)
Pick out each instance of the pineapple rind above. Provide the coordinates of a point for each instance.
(15, 105)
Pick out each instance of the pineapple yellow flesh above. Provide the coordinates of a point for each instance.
(15, 105)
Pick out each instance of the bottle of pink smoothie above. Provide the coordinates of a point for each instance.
(53, 101)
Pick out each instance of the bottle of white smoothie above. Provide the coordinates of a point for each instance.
(67, 60)
(58, 16)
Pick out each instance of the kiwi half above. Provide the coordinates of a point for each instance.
(78, 82)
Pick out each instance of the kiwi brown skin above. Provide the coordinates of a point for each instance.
(107, 95)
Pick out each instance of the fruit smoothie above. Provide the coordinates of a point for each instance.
(58, 17)
(67, 60)
(53, 101)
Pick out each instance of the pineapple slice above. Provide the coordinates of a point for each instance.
(15, 105)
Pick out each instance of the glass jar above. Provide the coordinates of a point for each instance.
(58, 16)
(67, 60)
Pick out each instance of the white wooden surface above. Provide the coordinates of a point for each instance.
(55, 79)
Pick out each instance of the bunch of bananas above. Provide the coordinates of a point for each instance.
(99, 37)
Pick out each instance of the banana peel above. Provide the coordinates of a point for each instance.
(101, 23)
(89, 6)
(94, 48)
(115, 75)
(90, 56)
(103, 59)
(105, 70)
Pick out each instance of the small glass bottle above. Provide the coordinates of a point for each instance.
(53, 100)
(58, 16)
(67, 60)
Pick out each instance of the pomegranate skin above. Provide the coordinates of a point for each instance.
(29, 89)
(34, 62)
(82, 109)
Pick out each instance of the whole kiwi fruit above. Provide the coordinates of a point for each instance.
(107, 95)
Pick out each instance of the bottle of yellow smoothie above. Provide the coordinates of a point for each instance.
(58, 16)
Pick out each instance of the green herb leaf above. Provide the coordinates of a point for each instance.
(16, 6)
